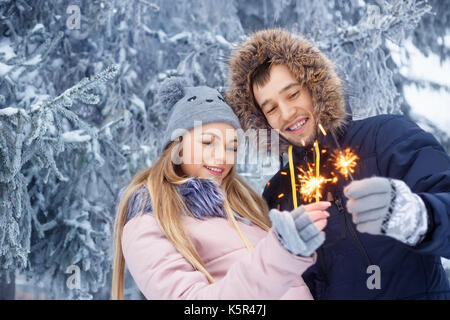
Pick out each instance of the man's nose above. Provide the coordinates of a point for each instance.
(287, 111)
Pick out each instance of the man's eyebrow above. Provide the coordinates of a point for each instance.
(264, 103)
(280, 92)
(288, 87)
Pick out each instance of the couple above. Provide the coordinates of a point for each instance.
(196, 229)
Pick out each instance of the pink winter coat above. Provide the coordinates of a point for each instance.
(161, 272)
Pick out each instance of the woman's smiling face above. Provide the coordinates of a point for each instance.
(209, 151)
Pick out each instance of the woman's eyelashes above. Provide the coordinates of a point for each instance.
(210, 142)
(207, 140)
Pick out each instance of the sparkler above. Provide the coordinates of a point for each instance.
(317, 165)
(322, 129)
(311, 184)
(345, 162)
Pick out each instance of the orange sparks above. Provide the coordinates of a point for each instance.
(322, 129)
(311, 185)
(281, 195)
(345, 161)
(284, 173)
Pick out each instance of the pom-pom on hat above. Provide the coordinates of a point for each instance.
(188, 104)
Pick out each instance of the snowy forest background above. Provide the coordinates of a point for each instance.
(78, 114)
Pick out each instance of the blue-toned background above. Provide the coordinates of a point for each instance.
(67, 145)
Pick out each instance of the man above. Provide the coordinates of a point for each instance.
(388, 227)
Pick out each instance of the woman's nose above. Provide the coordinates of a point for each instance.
(220, 155)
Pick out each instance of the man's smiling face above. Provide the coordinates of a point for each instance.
(287, 106)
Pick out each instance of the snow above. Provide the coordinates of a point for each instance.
(27, 96)
(180, 36)
(75, 136)
(138, 102)
(6, 49)
(33, 61)
(223, 41)
(38, 101)
(15, 75)
(122, 26)
(8, 53)
(122, 55)
(161, 34)
(4, 69)
(425, 102)
(9, 111)
(431, 104)
(37, 27)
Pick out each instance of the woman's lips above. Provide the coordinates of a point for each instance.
(217, 171)
(299, 129)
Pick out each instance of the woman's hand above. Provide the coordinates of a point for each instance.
(300, 231)
(318, 214)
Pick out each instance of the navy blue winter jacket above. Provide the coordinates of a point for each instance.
(388, 146)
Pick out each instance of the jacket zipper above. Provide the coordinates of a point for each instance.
(352, 231)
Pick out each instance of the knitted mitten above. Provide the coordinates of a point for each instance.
(388, 207)
(296, 231)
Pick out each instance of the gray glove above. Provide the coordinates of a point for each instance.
(296, 231)
(387, 206)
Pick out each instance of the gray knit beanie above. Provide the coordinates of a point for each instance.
(188, 104)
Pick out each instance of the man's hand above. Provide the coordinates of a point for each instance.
(387, 206)
(300, 231)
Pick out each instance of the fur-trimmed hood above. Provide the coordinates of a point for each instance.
(308, 64)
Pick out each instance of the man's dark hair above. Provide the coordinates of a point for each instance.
(260, 77)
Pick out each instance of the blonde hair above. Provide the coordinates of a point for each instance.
(160, 180)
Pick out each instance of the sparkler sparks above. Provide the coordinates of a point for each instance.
(322, 129)
(345, 162)
(311, 185)
(310, 181)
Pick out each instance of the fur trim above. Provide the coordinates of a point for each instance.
(134, 202)
(201, 196)
(310, 67)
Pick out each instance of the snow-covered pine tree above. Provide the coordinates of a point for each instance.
(46, 164)
(48, 220)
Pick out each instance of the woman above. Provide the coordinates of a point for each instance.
(189, 227)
